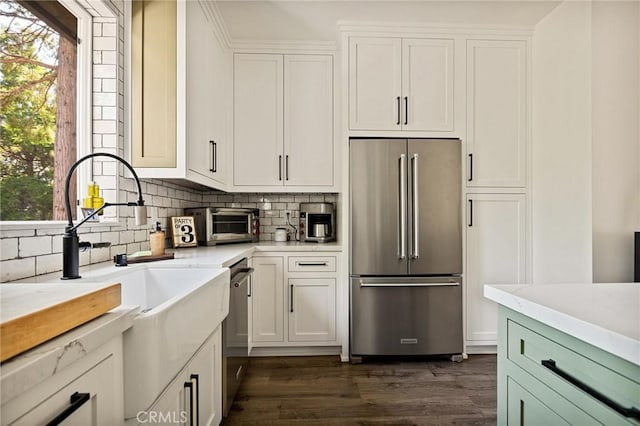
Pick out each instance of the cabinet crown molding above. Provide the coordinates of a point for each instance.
(415, 28)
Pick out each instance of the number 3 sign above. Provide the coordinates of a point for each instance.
(183, 230)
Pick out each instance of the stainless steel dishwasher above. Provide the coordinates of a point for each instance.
(235, 333)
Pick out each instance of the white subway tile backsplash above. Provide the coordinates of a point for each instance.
(140, 235)
(104, 99)
(16, 269)
(48, 263)
(112, 238)
(100, 254)
(126, 237)
(104, 43)
(56, 244)
(11, 233)
(97, 29)
(8, 248)
(105, 126)
(34, 246)
(119, 249)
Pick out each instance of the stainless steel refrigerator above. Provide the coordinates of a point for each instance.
(406, 247)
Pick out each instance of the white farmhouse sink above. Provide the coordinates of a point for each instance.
(180, 307)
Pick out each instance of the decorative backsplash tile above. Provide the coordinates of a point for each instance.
(273, 207)
(26, 253)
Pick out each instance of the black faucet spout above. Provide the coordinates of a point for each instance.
(70, 241)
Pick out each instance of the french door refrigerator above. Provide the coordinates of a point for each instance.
(406, 247)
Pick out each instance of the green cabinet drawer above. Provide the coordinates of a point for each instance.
(539, 405)
(528, 348)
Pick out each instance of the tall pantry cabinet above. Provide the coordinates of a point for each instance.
(466, 84)
(497, 132)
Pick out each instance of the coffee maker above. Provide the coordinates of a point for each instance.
(317, 222)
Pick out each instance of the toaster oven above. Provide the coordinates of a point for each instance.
(221, 225)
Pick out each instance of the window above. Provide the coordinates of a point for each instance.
(40, 117)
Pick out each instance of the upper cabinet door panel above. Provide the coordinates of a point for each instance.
(199, 85)
(153, 84)
(374, 83)
(308, 123)
(427, 84)
(496, 113)
(258, 111)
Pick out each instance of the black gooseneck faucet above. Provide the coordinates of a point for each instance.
(70, 241)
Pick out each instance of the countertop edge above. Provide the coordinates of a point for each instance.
(21, 373)
(610, 341)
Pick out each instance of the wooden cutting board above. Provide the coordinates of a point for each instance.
(31, 314)
(150, 258)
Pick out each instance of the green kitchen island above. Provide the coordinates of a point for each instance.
(568, 354)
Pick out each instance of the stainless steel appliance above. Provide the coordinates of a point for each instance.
(219, 225)
(406, 247)
(235, 333)
(317, 222)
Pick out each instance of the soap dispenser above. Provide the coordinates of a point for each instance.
(156, 241)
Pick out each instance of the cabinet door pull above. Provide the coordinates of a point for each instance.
(195, 377)
(312, 263)
(470, 167)
(189, 385)
(291, 298)
(279, 167)
(76, 401)
(286, 167)
(398, 113)
(250, 287)
(470, 213)
(406, 110)
(632, 412)
(214, 157)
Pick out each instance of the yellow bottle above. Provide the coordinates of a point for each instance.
(87, 202)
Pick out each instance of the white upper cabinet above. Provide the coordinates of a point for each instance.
(283, 121)
(496, 113)
(401, 84)
(257, 113)
(427, 84)
(374, 83)
(308, 120)
(180, 97)
(206, 115)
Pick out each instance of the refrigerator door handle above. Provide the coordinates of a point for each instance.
(434, 284)
(402, 210)
(416, 207)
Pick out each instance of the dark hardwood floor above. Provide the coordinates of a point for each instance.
(325, 391)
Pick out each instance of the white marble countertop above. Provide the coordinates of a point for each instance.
(604, 315)
(221, 256)
(24, 371)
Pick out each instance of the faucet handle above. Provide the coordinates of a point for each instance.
(101, 245)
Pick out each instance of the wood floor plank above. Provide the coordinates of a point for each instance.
(325, 391)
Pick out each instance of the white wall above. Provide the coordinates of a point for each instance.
(561, 146)
(616, 138)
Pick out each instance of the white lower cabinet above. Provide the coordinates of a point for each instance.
(495, 254)
(312, 309)
(89, 392)
(267, 299)
(296, 306)
(195, 395)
